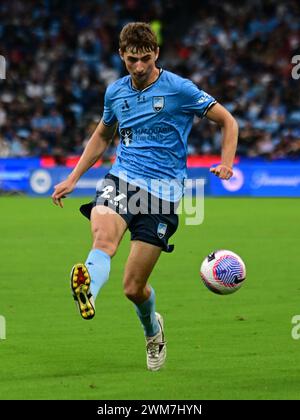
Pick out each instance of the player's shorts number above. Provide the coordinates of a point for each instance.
(106, 191)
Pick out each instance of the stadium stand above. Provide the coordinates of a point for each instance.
(61, 56)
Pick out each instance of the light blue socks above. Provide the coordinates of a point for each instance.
(146, 313)
(98, 265)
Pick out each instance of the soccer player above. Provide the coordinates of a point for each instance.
(153, 110)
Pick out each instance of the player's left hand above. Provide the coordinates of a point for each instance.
(222, 171)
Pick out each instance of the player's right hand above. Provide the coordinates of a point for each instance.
(61, 190)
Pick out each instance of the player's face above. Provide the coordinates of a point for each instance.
(141, 67)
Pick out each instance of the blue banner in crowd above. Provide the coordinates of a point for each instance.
(42, 181)
(15, 173)
(276, 179)
(260, 180)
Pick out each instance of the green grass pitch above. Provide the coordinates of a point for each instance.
(219, 347)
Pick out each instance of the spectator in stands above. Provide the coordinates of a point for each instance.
(61, 55)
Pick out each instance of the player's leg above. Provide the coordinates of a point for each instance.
(108, 229)
(87, 279)
(141, 261)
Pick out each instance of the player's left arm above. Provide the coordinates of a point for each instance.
(218, 114)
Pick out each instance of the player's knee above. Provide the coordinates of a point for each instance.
(108, 247)
(133, 291)
(104, 242)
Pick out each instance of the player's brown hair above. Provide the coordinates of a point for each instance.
(137, 37)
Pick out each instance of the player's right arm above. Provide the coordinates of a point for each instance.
(93, 151)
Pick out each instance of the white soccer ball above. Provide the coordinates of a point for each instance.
(223, 272)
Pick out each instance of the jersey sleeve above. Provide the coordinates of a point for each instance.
(108, 117)
(194, 100)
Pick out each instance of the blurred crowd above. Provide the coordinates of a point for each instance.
(61, 56)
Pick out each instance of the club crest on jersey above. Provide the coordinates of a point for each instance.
(161, 230)
(158, 102)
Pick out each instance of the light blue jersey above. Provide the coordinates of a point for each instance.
(154, 125)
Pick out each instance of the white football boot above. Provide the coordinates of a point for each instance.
(156, 349)
(80, 285)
